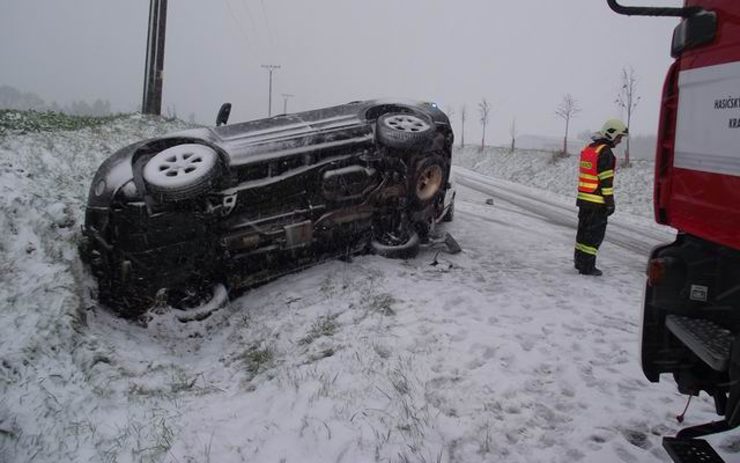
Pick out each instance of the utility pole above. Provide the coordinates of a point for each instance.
(285, 102)
(270, 68)
(152, 100)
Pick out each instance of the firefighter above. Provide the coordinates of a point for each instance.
(596, 194)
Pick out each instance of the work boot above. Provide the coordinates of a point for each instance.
(593, 272)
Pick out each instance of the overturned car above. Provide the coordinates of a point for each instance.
(241, 204)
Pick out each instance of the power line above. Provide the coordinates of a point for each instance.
(267, 24)
(249, 14)
(239, 25)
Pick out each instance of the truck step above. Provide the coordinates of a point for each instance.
(690, 451)
(706, 339)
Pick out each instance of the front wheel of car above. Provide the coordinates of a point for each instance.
(396, 245)
(404, 130)
(182, 172)
(198, 302)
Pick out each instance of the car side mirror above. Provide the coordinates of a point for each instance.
(223, 114)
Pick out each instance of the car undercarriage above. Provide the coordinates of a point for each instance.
(246, 203)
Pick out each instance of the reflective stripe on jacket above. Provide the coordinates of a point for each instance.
(589, 176)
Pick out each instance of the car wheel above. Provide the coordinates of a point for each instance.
(395, 245)
(198, 304)
(189, 297)
(182, 172)
(426, 179)
(404, 130)
(450, 214)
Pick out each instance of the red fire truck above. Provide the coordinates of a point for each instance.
(691, 316)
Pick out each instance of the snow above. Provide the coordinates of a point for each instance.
(499, 353)
(547, 171)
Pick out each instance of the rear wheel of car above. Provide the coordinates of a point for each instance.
(396, 245)
(182, 172)
(404, 130)
(426, 179)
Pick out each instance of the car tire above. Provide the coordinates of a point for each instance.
(394, 247)
(426, 179)
(201, 304)
(404, 130)
(450, 214)
(182, 172)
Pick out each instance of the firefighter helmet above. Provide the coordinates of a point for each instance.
(613, 128)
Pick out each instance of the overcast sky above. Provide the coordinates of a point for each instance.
(523, 56)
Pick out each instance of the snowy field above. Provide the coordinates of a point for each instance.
(540, 169)
(501, 353)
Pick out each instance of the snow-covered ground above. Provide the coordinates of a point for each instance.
(499, 353)
(559, 175)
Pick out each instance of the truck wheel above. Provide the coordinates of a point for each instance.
(182, 172)
(404, 130)
(403, 245)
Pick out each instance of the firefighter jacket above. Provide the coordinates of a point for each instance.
(596, 175)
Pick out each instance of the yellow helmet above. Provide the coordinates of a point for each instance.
(613, 128)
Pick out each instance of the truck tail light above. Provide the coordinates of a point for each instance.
(656, 270)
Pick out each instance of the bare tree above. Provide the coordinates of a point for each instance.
(627, 99)
(567, 110)
(513, 133)
(462, 132)
(484, 110)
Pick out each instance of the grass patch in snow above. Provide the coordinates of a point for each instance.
(148, 441)
(382, 304)
(20, 122)
(324, 326)
(177, 383)
(256, 358)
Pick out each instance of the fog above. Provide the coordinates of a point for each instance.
(523, 56)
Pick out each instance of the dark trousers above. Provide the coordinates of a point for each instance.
(591, 229)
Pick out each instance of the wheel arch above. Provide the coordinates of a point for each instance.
(374, 112)
(150, 148)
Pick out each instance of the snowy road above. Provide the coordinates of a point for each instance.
(639, 238)
(501, 353)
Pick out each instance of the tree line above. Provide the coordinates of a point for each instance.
(12, 98)
(626, 100)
